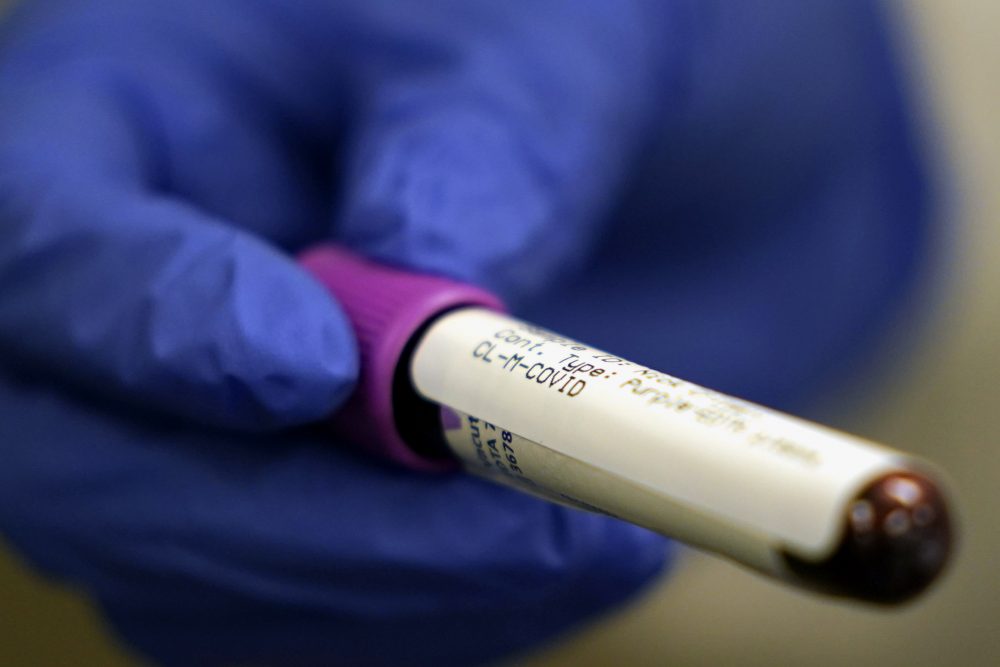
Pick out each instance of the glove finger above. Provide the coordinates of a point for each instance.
(488, 154)
(228, 549)
(237, 116)
(112, 285)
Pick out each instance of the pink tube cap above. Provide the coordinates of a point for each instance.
(386, 307)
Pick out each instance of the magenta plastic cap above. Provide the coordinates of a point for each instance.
(386, 307)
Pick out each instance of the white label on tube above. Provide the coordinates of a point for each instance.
(759, 470)
(500, 455)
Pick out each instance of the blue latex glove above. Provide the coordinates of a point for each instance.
(159, 160)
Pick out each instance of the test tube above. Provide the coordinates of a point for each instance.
(448, 379)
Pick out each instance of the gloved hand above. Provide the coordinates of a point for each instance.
(159, 162)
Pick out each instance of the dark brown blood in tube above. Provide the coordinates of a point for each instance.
(896, 540)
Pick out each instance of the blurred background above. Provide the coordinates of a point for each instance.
(934, 398)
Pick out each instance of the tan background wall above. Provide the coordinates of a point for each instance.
(942, 403)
